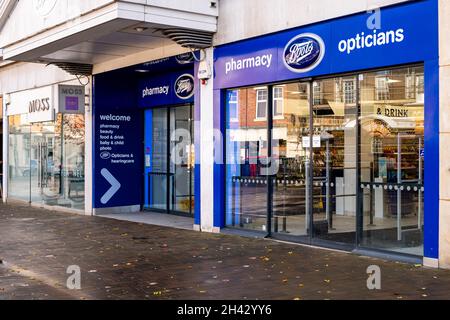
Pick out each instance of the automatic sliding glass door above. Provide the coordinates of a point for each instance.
(158, 190)
(46, 186)
(334, 162)
(182, 160)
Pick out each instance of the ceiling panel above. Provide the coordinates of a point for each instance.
(80, 57)
(114, 45)
(138, 40)
(104, 48)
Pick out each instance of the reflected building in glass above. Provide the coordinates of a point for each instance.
(366, 161)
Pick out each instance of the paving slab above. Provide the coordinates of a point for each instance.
(125, 260)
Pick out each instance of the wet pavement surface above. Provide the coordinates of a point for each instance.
(126, 260)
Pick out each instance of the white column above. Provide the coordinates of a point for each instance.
(88, 154)
(5, 149)
(444, 140)
(207, 151)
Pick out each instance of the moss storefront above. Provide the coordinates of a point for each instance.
(46, 134)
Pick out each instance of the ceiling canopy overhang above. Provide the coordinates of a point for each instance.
(107, 31)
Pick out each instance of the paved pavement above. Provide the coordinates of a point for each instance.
(127, 260)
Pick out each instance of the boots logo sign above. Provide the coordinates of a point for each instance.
(304, 52)
(185, 58)
(184, 86)
(44, 7)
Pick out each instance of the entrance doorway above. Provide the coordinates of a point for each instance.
(169, 160)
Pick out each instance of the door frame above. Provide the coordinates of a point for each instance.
(167, 173)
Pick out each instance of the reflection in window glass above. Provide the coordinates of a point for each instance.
(278, 102)
(334, 119)
(233, 104)
(289, 189)
(388, 134)
(20, 164)
(392, 144)
(261, 103)
(46, 161)
(246, 144)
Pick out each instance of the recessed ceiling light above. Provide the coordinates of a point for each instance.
(142, 70)
(140, 29)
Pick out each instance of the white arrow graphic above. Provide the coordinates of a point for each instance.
(115, 186)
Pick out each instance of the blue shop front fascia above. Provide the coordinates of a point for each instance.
(122, 100)
(408, 35)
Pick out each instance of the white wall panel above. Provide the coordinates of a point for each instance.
(23, 76)
(245, 19)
